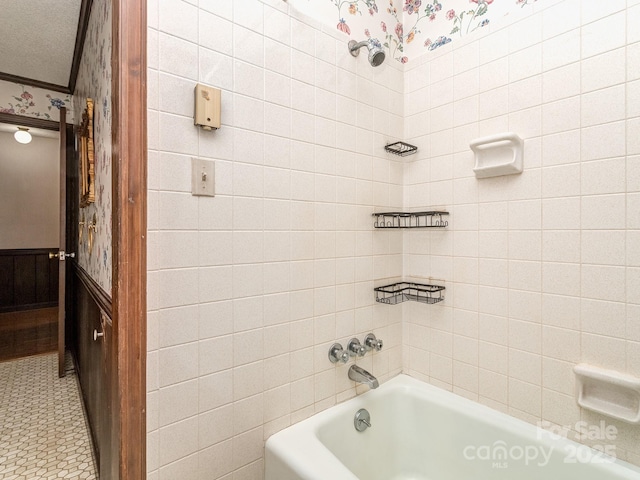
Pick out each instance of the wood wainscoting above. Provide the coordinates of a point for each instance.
(28, 279)
(93, 355)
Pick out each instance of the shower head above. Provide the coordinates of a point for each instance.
(376, 52)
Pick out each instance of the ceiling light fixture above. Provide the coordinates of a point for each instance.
(22, 135)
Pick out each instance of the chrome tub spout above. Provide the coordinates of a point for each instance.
(360, 375)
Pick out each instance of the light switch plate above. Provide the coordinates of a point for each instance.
(203, 177)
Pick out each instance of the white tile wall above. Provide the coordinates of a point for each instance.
(248, 290)
(540, 267)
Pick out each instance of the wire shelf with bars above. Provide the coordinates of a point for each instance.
(401, 148)
(403, 291)
(433, 219)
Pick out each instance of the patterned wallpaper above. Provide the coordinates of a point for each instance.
(430, 25)
(30, 101)
(409, 28)
(94, 81)
(359, 19)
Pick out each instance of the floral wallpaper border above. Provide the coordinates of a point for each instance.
(411, 28)
(28, 101)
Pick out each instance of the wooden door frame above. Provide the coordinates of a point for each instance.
(23, 121)
(129, 161)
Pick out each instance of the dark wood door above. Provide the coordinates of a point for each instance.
(63, 241)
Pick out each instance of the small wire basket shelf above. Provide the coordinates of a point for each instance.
(401, 148)
(410, 220)
(403, 291)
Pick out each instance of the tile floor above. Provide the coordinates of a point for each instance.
(43, 433)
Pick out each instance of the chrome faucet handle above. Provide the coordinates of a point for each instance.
(356, 348)
(362, 420)
(373, 343)
(338, 354)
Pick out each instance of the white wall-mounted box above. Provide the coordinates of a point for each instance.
(496, 155)
(608, 392)
(207, 106)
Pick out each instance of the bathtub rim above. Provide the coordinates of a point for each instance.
(301, 445)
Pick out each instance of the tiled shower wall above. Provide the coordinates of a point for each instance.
(247, 290)
(542, 269)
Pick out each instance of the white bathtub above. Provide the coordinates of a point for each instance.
(420, 432)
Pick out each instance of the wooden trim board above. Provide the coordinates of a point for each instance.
(32, 82)
(129, 63)
(101, 297)
(81, 35)
(13, 119)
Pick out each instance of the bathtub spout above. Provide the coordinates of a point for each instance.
(360, 375)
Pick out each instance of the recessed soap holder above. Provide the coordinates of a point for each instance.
(497, 155)
(608, 392)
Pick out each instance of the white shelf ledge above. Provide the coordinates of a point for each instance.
(608, 392)
(497, 155)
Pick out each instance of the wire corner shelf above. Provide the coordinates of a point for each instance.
(401, 148)
(402, 291)
(432, 219)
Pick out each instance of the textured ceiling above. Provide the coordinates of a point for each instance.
(37, 38)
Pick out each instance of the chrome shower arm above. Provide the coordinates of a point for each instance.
(354, 47)
(376, 52)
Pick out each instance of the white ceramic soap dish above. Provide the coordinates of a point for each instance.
(497, 155)
(608, 392)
